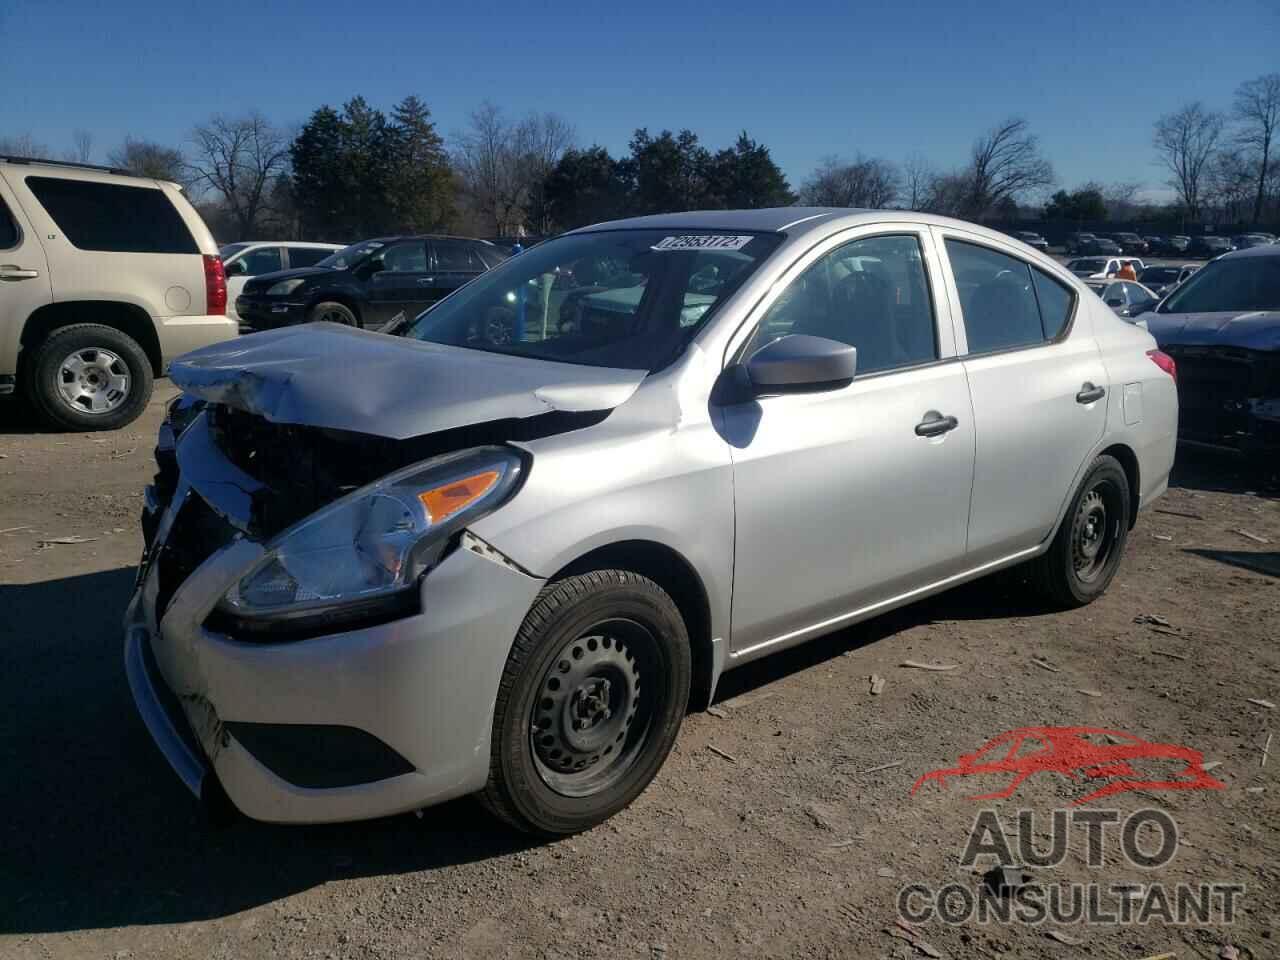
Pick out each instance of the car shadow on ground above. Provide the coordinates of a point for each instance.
(99, 833)
(1211, 472)
(17, 418)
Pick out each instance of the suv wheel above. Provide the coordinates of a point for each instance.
(1085, 553)
(589, 704)
(89, 377)
(331, 312)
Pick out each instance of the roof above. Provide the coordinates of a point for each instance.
(1270, 250)
(71, 165)
(768, 219)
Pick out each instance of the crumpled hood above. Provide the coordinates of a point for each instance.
(1256, 330)
(328, 375)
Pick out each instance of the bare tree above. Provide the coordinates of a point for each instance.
(240, 158)
(918, 177)
(1120, 199)
(1257, 109)
(539, 141)
(81, 147)
(149, 159)
(1185, 142)
(1006, 163)
(22, 145)
(866, 182)
(486, 160)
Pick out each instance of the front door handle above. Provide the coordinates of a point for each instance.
(11, 271)
(423, 281)
(935, 424)
(1089, 393)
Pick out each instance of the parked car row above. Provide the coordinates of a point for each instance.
(1207, 246)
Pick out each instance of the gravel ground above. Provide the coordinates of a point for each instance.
(783, 840)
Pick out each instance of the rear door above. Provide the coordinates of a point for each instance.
(454, 263)
(397, 286)
(1038, 385)
(24, 281)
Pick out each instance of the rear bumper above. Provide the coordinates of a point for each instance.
(179, 335)
(420, 689)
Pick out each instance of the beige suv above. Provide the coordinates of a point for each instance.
(104, 277)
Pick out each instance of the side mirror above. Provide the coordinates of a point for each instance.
(801, 364)
(236, 269)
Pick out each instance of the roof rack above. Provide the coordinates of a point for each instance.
(69, 163)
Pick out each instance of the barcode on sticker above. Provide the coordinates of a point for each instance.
(702, 241)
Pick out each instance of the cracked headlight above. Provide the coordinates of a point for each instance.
(284, 287)
(361, 556)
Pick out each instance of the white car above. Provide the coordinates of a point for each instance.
(103, 278)
(243, 261)
(1126, 298)
(1102, 267)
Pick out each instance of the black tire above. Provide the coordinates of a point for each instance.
(583, 628)
(1086, 551)
(334, 312)
(48, 369)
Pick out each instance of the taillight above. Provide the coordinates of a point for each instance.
(1164, 362)
(215, 286)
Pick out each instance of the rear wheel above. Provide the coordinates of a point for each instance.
(332, 312)
(89, 377)
(1085, 553)
(589, 704)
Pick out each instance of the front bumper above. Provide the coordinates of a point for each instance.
(268, 313)
(423, 687)
(1229, 397)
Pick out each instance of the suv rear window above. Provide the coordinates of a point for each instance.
(112, 217)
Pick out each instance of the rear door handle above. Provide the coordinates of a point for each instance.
(10, 271)
(935, 424)
(1089, 393)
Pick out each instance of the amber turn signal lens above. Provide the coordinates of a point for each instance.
(445, 501)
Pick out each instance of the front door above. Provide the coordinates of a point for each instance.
(1038, 387)
(396, 286)
(848, 498)
(25, 285)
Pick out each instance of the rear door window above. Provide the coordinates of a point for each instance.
(997, 298)
(112, 217)
(456, 256)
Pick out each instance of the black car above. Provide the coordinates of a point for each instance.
(372, 284)
(1208, 246)
(1130, 243)
(1031, 239)
(1101, 245)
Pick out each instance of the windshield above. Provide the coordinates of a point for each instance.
(623, 298)
(230, 250)
(350, 256)
(1159, 275)
(1232, 285)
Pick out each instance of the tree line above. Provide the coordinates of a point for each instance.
(356, 171)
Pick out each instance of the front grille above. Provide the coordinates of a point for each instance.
(1215, 387)
(197, 532)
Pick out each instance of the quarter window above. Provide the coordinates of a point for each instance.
(8, 229)
(998, 299)
(871, 294)
(1056, 302)
(112, 217)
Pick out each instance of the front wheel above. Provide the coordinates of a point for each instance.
(1085, 553)
(332, 312)
(589, 704)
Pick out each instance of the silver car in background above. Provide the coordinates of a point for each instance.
(502, 553)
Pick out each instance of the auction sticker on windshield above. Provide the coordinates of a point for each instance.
(702, 242)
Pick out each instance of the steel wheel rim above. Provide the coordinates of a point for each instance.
(1094, 531)
(93, 380)
(335, 316)
(594, 707)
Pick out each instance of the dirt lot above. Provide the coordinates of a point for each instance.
(791, 845)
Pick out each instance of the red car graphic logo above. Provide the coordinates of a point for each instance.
(1070, 752)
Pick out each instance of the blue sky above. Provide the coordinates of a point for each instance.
(808, 79)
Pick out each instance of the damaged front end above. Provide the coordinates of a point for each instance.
(1228, 397)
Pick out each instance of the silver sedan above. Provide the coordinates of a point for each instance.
(501, 553)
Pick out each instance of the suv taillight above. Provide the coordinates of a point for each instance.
(215, 286)
(1164, 362)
